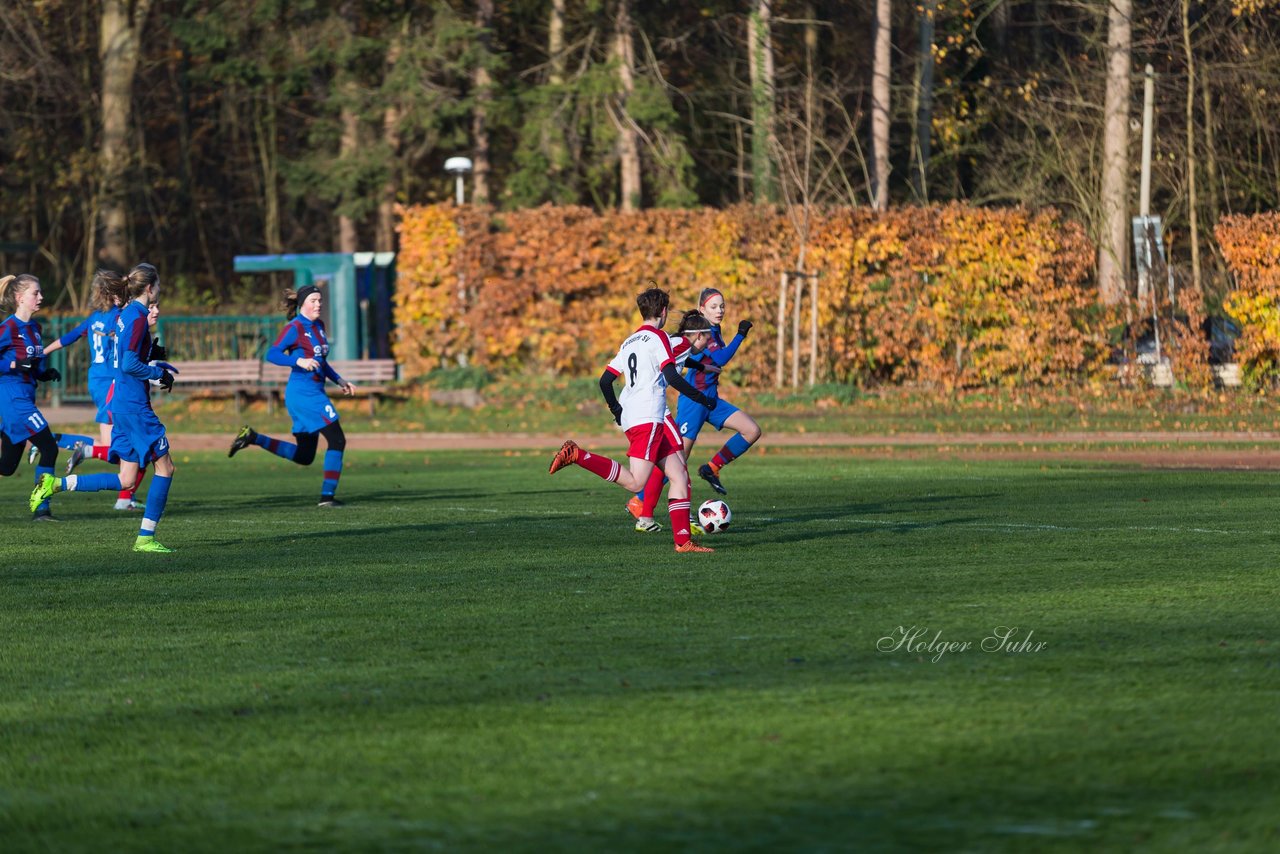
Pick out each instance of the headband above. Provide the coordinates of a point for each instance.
(708, 293)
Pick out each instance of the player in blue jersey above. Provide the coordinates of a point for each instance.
(99, 332)
(22, 365)
(690, 417)
(304, 347)
(137, 436)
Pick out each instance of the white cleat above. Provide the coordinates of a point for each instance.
(127, 504)
(647, 526)
(77, 457)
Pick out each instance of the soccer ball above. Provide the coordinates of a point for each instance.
(714, 516)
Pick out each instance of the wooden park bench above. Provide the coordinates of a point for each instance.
(220, 378)
(372, 379)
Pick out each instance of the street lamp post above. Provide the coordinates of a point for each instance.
(458, 167)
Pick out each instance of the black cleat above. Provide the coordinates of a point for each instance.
(705, 472)
(242, 440)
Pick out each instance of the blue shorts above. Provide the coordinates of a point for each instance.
(309, 407)
(690, 416)
(98, 388)
(137, 437)
(18, 414)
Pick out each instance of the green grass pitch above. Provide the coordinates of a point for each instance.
(474, 655)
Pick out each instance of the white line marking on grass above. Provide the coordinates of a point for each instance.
(1023, 526)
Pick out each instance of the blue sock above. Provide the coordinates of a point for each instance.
(41, 471)
(90, 482)
(275, 446)
(69, 440)
(737, 445)
(332, 471)
(157, 495)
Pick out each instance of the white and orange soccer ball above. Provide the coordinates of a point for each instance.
(714, 516)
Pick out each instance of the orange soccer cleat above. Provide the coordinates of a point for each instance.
(566, 456)
(635, 506)
(690, 547)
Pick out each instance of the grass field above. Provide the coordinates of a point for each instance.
(559, 405)
(474, 655)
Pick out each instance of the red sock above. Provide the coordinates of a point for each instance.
(99, 452)
(129, 493)
(652, 489)
(678, 509)
(599, 466)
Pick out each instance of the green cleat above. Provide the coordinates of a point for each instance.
(149, 544)
(242, 440)
(44, 490)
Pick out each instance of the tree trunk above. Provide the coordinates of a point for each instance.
(1000, 27)
(880, 106)
(1192, 201)
(385, 236)
(555, 43)
(348, 239)
(628, 137)
(264, 137)
(924, 105)
(121, 34)
(1210, 155)
(760, 58)
(482, 98)
(1113, 238)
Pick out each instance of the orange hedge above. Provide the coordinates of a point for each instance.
(949, 295)
(1251, 247)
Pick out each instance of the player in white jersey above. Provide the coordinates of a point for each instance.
(647, 364)
(687, 343)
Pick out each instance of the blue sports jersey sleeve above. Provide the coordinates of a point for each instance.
(131, 361)
(7, 354)
(287, 340)
(330, 372)
(722, 356)
(78, 332)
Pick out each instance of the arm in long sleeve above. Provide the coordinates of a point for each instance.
(8, 355)
(329, 372)
(680, 384)
(139, 336)
(722, 356)
(135, 367)
(76, 333)
(606, 389)
(288, 339)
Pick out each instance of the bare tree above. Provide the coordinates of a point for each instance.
(1191, 144)
(760, 59)
(482, 97)
(628, 135)
(385, 234)
(121, 37)
(880, 105)
(1113, 238)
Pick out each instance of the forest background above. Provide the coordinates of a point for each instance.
(194, 130)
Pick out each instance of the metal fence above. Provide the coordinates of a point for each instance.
(187, 339)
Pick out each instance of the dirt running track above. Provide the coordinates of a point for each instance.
(1163, 450)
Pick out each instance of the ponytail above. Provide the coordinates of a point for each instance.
(11, 286)
(139, 279)
(108, 286)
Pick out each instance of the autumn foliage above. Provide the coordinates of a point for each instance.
(1251, 247)
(950, 296)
